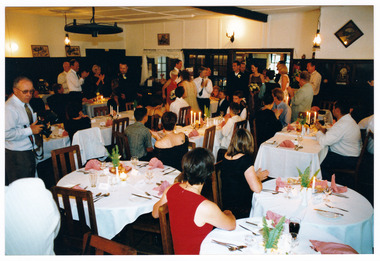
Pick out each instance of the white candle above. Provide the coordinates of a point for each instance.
(199, 117)
(308, 117)
(191, 117)
(315, 117)
(313, 186)
(117, 112)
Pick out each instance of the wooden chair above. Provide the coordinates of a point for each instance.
(101, 111)
(166, 236)
(212, 187)
(129, 106)
(63, 161)
(118, 125)
(354, 173)
(184, 116)
(123, 145)
(154, 122)
(209, 136)
(98, 245)
(73, 230)
(191, 145)
(254, 135)
(327, 105)
(239, 125)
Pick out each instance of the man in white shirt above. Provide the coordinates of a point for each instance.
(179, 102)
(368, 124)
(178, 67)
(204, 89)
(74, 83)
(20, 125)
(61, 79)
(343, 139)
(315, 80)
(228, 128)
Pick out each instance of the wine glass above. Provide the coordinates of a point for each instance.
(134, 161)
(294, 227)
(300, 140)
(288, 189)
(327, 191)
(103, 166)
(149, 176)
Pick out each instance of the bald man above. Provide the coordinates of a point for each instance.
(61, 79)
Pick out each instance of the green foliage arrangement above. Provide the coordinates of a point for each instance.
(271, 236)
(207, 112)
(115, 156)
(305, 176)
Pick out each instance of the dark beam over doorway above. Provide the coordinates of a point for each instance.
(233, 10)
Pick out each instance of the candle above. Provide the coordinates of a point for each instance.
(123, 176)
(199, 117)
(117, 112)
(308, 117)
(313, 187)
(191, 117)
(315, 117)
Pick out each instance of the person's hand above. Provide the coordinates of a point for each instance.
(36, 128)
(297, 78)
(262, 174)
(84, 74)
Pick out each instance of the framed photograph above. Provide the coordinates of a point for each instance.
(163, 39)
(72, 51)
(40, 51)
(349, 33)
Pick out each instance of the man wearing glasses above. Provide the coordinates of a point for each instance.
(20, 126)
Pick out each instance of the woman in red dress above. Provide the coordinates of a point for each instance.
(169, 87)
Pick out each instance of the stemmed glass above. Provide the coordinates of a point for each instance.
(103, 166)
(288, 189)
(148, 176)
(327, 191)
(134, 161)
(300, 139)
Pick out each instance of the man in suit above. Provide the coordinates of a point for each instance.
(222, 104)
(126, 83)
(57, 102)
(245, 73)
(235, 81)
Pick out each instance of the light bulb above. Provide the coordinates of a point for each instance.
(67, 40)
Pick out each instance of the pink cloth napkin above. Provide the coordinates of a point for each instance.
(280, 183)
(155, 163)
(78, 187)
(164, 185)
(287, 144)
(290, 127)
(93, 164)
(108, 123)
(65, 133)
(323, 183)
(332, 248)
(274, 217)
(335, 188)
(193, 133)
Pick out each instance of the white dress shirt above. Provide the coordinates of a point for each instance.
(61, 79)
(207, 90)
(73, 83)
(16, 118)
(177, 105)
(368, 124)
(315, 80)
(228, 130)
(343, 137)
(32, 219)
(243, 113)
(178, 78)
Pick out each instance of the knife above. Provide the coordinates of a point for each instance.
(336, 213)
(251, 223)
(169, 172)
(248, 230)
(339, 195)
(140, 196)
(271, 190)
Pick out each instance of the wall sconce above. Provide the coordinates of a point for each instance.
(232, 37)
(67, 40)
(317, 38)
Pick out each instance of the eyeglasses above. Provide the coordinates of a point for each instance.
(26, 91)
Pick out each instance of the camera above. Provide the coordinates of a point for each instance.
(46, 130)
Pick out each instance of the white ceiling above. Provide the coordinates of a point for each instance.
(145, 14)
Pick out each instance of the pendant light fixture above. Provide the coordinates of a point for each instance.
(317, 38)
(67, 39)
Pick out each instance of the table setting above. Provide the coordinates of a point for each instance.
(59, 138)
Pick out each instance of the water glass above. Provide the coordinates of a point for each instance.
(287, 189)
(103, 166)
(327, 191)
(149, 176)
(93, 176)
(134, 161)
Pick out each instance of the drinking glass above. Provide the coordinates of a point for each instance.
(103, 166)
(300, 140)
(327, 191)
(149, 176)
(288, 189)
(93, 176)
(294, 227)
(134, 161)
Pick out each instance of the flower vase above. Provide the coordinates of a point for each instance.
(304, 197)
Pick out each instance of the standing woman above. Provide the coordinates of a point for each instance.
(255, 76)
(169, 87)
(190, 95)
(254, 102)
(284, 80)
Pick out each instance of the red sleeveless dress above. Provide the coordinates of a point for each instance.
(187, 236)
(172, 86)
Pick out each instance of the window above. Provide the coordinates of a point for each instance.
(161, 67)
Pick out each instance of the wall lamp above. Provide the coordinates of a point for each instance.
(67, 40)
(232, 37)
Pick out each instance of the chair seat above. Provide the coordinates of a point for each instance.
(147, 223)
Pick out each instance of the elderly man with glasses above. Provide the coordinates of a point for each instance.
(20, 128)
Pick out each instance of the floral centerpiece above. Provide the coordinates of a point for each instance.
(115, 157)
(271, 236)
(254, 87)
(305, 178)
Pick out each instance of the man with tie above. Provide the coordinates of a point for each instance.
(74, 83)
(20, 128)
(223, 104)
(236, 81)
(204, 89)
(127, 84)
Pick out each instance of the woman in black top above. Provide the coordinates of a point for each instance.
(171, 148)
(77, 120)
(239, 178)
(267, 122)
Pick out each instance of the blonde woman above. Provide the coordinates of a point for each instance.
(284, 80)
(190, 95)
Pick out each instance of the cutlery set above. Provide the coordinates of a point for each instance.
(231, 247)
(100, 196)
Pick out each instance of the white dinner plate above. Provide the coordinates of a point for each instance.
(328, 214)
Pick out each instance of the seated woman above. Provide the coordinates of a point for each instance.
(172, 146)
(238, 175)
(267, 122)
(76, 120)
(117, 98)
(238, 97)
(215, 93)
(155, 108)
(192, 216)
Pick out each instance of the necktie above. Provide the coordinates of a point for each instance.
(37, 137)
(29, 113)
(201, 92)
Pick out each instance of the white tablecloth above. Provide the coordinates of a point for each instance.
(120, 208)
(55, 141)
(238, 235)
(283, 162)
(213, 106)
(355, 228)
(88, 108)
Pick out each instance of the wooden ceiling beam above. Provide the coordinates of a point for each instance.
(233, 10)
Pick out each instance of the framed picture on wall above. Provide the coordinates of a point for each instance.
(40, 51)
(349, 33)
(72, 51)
(163, 39)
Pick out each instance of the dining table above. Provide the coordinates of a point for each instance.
(56, 140)
(88, 106)
(127, 200)
(350, 220)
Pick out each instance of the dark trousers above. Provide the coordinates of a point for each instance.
(19, 164)
(336, 161)
(76, 97)
(202, 102)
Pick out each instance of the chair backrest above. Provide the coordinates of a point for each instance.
(184, 116)
(129, 106)
(79, 196)
(328, 105)
(123, 145)
(64, 161)
(364, 148)
(209, 136)
(254, 135)
(217, 184)
(118, 125)
(100, 245)
(166, 236)
(239, 125)
(154, 122)
(101, 111)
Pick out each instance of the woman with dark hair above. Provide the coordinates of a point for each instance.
(192, 216)
(76, 120)
(238, 175)
(190, 95)
(171, 148)
(117, 98)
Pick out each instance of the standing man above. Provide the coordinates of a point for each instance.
(204, 88)
(302, 98)
(126, 83)
(236, 81)
(74, 83)
(244, 72)
(315, 81)
(20, 126)
(178, 68)
(62, 77)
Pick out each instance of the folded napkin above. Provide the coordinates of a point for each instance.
(78, 187)
(280, 183)
(274, 217)
(290, 128)
(335, 188)
(65, 133)
(193, 133)
(93, 164)
(322, 184)
(164, 185)
(332, 248)
(155, 163)
(287, 144)
(108, 123)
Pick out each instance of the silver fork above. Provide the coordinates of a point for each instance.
(336, 207)
(151, 195)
